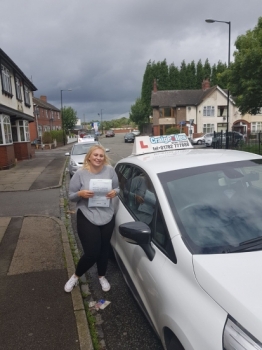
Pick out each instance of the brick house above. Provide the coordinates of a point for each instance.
(206, 108)
(16, 113)
(47, 118)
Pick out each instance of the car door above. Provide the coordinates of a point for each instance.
(143, 273)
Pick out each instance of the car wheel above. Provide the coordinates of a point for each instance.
(199, 142)
(125, 141)
(171, 341)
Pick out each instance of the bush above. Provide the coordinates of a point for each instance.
(171, 131)
(47, 137)
(57, 135)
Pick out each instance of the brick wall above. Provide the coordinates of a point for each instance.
(7, 157)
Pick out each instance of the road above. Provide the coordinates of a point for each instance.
(122, 324)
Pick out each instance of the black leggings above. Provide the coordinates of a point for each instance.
(95, 241)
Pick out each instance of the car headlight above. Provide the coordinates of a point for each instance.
(235, 337)
(73, 163)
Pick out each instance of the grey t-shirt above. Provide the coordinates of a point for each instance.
(80, 181)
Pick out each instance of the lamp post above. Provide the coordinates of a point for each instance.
(62, 117)
(101, 120)
(229, 37)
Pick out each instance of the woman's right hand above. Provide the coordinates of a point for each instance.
(85, 194)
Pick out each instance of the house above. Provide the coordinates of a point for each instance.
(198, 111)
(47, 118)
(16, 113)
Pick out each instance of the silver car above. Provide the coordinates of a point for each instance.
(201, 139)
(77, 155)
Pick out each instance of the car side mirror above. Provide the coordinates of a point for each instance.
(139, 233)
(67, 154)
(107, 150)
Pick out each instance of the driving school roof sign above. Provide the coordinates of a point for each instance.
(147, 144)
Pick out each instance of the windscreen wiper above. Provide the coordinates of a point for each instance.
(250, 244)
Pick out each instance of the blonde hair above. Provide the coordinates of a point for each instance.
(86, 164)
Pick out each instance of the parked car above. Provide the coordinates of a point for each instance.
(201, 139)
(129, 137)
(110, 133)
(98, 133)
(36, 142)
(77, 155)
(136, 132)
(188, 240)
(234, 138)
(209, 139)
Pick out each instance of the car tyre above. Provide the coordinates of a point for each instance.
(171, 341)
(199, 142)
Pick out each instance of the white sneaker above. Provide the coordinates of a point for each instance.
(71, 283)
(104, 283)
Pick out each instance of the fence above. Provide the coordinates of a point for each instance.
(248, 143)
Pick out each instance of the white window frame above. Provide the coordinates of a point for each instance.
(256, 126)
(5, 130)
(208, 128)
(208, 111)
(23, 134)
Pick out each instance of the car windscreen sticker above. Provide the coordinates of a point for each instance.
(147, 144)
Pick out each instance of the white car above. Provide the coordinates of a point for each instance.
(136, 132)
(188, 240)
(201, 139)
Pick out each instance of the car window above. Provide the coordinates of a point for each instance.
(139, 197)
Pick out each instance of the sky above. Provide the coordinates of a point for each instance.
(100, 48)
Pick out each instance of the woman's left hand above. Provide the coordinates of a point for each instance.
(111, 194)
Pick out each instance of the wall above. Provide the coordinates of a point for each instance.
(7, 157)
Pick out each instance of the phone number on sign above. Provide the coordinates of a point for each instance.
(168, 147)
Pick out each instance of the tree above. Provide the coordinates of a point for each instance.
(69, 118)
(138, 112)
(199, 74)
(245, 73)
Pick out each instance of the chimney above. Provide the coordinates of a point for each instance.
(155, 86)
(43, 98)
(205, 84)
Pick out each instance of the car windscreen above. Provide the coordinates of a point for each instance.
(82, 148)
(216, 207)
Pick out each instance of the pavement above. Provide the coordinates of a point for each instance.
(35, 262)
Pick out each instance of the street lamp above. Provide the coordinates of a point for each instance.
(229, 36)
(101, 120)
(62, 117)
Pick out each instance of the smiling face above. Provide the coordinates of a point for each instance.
(97, 158)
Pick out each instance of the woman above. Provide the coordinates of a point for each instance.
(95, 224)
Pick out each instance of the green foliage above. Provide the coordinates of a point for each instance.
(245, 73)
(171, 131)
(69, 118)
(138, 112)
(57, 135)
(47, 137)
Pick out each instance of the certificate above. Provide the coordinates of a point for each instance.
(100, 187)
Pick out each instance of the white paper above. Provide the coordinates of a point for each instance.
(100, 187)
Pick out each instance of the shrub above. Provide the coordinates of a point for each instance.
(172, 130)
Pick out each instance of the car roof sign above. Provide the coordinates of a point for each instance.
(152, 144)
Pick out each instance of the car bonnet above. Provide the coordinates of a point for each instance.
(234, 282)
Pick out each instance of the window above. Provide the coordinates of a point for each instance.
(46, 128)
(208, 111)
(208, 128)
(18, 89)
(23, 130)
(256, 126)
(58, 115)
(6, 80)
(5, 130)
(40, 134)
(167, 112)
(27, 96)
